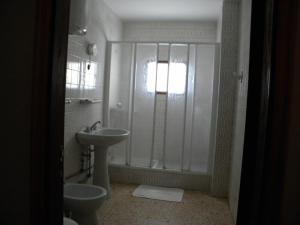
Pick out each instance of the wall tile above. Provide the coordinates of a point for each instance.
(102, 24)
(229, 56)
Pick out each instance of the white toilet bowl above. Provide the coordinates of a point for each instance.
(68, 221)
(83, 200)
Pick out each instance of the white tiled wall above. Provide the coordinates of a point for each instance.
(83, 83)
(219, 26)
(229, 56)
(240, 106)
(80, 83)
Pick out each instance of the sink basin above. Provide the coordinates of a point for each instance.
(102, 137)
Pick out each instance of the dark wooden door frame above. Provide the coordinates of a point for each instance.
(271, 104)
(48, 96)
(257, 112)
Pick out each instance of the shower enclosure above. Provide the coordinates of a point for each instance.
(166, 95)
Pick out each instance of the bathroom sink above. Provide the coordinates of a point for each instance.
(102, 137)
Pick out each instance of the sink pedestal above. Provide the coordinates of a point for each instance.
(101, 177)
(101, 139)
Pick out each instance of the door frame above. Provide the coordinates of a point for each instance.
(258, 101)
(48, 104)
(260, 159)
(272, 142)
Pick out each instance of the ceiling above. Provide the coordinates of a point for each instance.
(166, 10)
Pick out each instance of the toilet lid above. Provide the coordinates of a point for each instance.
(68, 221)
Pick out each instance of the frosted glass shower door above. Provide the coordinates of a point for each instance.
(175, 106)
(187, 149)
(166, 95)
(121, 73)
(202, 108)
(143, 104)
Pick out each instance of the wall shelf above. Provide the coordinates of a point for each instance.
(90, 101)
(83, 100)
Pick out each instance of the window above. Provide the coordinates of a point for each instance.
(89, 76)
(79, 75)
(177, 77)
(73, 75)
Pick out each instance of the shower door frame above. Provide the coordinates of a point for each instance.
(215, 97)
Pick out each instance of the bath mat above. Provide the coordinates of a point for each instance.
(159, 193)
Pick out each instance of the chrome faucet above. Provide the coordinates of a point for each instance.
(94, 125)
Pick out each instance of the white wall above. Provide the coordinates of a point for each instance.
(219, 26)
(240, 106)
(103, 25)
(226, 102)
(170, 31)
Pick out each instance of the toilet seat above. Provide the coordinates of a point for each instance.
(68, 221)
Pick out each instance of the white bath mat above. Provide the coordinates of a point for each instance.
(159, 193)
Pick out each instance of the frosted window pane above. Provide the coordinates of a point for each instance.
(177, 71)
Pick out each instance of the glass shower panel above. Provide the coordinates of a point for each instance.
(175, 106)
(120, 85)
(143, 104)
(189, 109)
(202, 108)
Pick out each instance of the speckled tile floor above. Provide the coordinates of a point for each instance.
(195, 209)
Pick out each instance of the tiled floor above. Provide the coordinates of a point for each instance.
(195, 209)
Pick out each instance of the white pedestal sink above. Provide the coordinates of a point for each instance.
(102, 139)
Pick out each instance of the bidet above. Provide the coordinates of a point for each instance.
(83, 200)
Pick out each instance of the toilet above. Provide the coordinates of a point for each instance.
(82, 202)
(68, 221)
